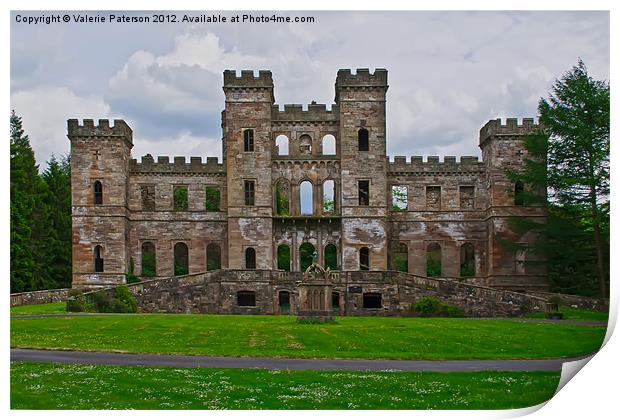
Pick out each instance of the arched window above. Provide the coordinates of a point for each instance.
(400, 257)
(364, 259)
(331, 257)
(433, 260)
(246, 298)
(306, 255)
(282, 145)
(98, 260)
(305, 145)
(214, 257)
(149, 261)
(305, 198)
(181, 261)
(248, 140)
(468, 264)
(329, 204)
(362, 140)
(284, 257)
(282, 198)
(98, 192)
(250, 259)
(329, 145)
(519, 201)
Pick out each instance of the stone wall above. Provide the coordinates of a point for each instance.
(574, 301)
(40, 296)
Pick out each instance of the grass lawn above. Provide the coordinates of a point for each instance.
(42, 308)
(575, 314)
(283, 336)
(50, 386)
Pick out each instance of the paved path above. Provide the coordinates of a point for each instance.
(129, 359)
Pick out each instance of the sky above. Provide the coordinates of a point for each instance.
(448, 72)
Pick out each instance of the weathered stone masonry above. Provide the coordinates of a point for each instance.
(455, 212)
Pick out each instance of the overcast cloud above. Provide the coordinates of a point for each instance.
(449, 72)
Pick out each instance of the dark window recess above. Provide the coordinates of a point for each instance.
(335, 300)
(250, 259)
(246, 298)
(364, 259)
(147, 193)
(213, 257)
(212, 199)
(181, 260)
(519, 190)
(248, 190)
(372, 300)
(284, 302)
(179, 198)
(98, 259)
(363, 191)
(98, 192)
(362, 140)
(248, 140)
(149, 262)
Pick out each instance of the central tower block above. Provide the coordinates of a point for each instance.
(361, 101)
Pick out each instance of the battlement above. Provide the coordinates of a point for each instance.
(433, 164)
(510, 128)
(103, 129)
(315, 112)
(362, 77)
(179, 165)
(247, 79)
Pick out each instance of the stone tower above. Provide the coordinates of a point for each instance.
(502, 150)
(361, 100)
(247, 134)
(99, 183)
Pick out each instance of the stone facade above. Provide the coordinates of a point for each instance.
(123, 207)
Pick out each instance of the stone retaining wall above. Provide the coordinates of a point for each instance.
(40, 296)
(574, 301)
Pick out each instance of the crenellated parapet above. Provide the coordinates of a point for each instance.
(247, 79)
(178, 165)
(361, 78)
(417, 165)
(102, 129)
(510, 128)
(315, 112)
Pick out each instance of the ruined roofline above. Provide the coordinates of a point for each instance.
(510, 128)
(179, 164)
(432, 163)
(247, 79)
(102, 129)
(315, 112)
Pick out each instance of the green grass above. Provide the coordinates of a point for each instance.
(42, 308)
(50, 386)
(575, 314)
(283, 336)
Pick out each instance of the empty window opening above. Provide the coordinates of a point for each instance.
(214, 257)
(519, 194)
(282, 145)
(212, 199)
(400, 257)
(282, 198)
(335, 300)
(246, 298)
(362, 140)
(305, 197)
(98, 192)
(284, 302)
(329, 145)
(306, 255)
(372, 301)
(248, 191)
(180, 198)
(250, 259)
(433, 260)
(305, 145)
(331, 257)
(399, 197)
(149, 268)
(181, 260)
(98, 254)
(248, 140)
(364, 259)
(329, 205)
(147, 193)
(284, 257)
(363, 192)
(468, 263)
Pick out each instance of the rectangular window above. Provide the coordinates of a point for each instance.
(399, 197)
(466, 197)
(248, 140)
(248, 189)
(147, 193)
(179, 196)
(433, 198)
(363, 191)
(212, 199)
(372, 300)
